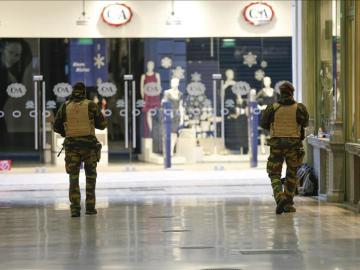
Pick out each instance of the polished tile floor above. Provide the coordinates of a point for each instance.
(172, 224)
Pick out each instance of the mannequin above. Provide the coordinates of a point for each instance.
(175, 97)
(265, 97)
(236, 120)
(150, 92)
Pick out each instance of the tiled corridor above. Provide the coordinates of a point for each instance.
(177, 221)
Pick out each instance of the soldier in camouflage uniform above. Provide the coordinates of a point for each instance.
(76, 120)
(286, 121)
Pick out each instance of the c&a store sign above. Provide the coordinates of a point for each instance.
(258, 13)
(117, 14)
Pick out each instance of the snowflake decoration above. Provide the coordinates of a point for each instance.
(259, 74)
(178, 72)
(140, 103)
(51, 104)
(120, 103)
(264, 64)
(229, 103)
(166, 62)
(196, 77)
(250, 59)
(29, 104)
(99, 61)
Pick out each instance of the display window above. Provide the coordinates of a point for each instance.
(351, 74)
(326, 67)
(353, 39)
(329, 97)
(206, 82)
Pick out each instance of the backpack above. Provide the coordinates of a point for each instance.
(307, 180)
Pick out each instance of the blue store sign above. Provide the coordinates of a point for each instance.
(88, 61)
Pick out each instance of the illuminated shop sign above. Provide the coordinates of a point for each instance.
(62, 90)
(16, 90)
(107, 89)
(258, 13)
(117, 14)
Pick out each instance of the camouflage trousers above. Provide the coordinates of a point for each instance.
(293, 156)
(73, 159)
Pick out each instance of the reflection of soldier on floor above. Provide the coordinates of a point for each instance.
(286, 121)
(76, 120)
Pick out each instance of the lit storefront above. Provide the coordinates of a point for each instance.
(127, 55)
(331, 90)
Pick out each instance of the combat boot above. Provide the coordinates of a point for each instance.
(75, 214)
(91, 211)
(75, 211)
(283, 201)
(289, 208)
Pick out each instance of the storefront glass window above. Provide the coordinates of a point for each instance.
(351, 75)
(356, 43)
(210, 119)
(338, 76)
(326, 79)
(19, 61)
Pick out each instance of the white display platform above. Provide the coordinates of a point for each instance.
(147, 154)
(57, 141)
(210, 150)
(186, 146)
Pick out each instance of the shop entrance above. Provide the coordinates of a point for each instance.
(206, 80)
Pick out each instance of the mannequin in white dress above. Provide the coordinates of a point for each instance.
(265, 97)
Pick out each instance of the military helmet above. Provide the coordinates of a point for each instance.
(79, 91)
(287, 87)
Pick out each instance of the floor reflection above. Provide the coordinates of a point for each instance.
(178, 233)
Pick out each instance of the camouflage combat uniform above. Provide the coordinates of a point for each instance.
(288, 149)
(81, 149)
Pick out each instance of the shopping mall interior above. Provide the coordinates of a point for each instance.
(183, 179)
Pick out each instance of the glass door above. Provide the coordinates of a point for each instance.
(123, 105)
(18, 104)
(101, 65)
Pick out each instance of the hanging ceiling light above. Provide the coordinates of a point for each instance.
(173, 19)
(83, 20)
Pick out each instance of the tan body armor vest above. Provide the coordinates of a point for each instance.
(77, 119)
(285, 124)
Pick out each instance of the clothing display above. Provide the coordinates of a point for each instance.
(175, 120)
(157, 132)
(152, 100)
(263, 99)
(236, 125)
